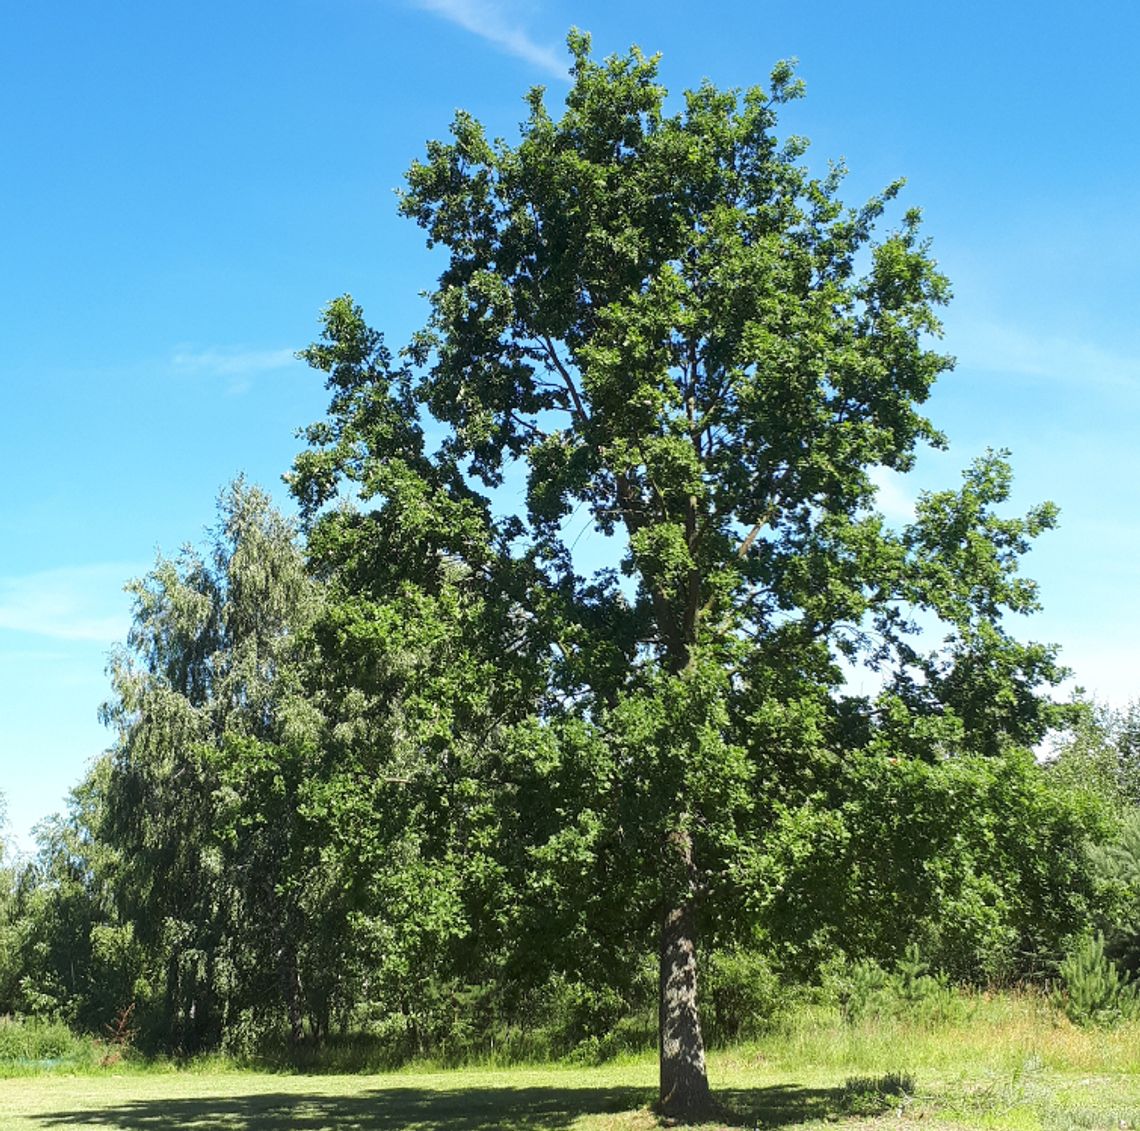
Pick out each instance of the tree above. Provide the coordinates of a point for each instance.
(1100, 752)
(980, 861)
(203, 795)
(76, 959)
(690, 342)
(9, 920)
(1100, 757)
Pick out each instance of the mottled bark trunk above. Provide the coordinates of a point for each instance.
(174, 1000)
(289, 976)
(684, 1079)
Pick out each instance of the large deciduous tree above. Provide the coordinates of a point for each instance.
(689, 343)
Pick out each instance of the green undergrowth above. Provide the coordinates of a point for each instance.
(34, 1045)
(368, 1052)
(1002, 1061)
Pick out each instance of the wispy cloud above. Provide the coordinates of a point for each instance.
(230, 361)
(1007, 349)
(83, 603)
(499, 23)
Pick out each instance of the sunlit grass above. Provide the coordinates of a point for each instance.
(1008, 1062)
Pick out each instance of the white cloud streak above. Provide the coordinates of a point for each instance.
(1005, 349)
(231, 361)
(81, 603)
(495, 22)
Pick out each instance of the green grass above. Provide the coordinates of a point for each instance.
(589, 1099)
(1010, 1064)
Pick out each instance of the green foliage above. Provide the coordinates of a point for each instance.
(201, 803)
(33, 1041)
(1100, 756)
(72, 958)
(678, 334)
(11, 924)
(1115, 867)
(1100, 752)
(1095, 990)
(862, 990)
(982, 861)
(436, 775)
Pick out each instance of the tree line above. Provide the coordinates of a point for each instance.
(421, 766)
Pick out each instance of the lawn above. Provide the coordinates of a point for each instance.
(605, 1099)
(1009, 1065)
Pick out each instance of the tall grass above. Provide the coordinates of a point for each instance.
(992, 1032)
(1009, 1061)
(29, 1046)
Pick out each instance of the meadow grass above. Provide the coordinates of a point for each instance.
(1007, 1062)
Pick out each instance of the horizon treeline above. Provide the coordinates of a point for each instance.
(287, 840)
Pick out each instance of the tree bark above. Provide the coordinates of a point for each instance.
(684, 1079)
(290, 977)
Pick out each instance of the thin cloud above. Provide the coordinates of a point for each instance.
(497, 23)
(82, 603)
(1006, 349)
(231, 361)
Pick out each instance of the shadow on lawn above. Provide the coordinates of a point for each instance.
(466, 1109)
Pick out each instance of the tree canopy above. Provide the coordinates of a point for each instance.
(673, 329)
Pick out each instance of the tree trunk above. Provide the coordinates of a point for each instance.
(684, 1079)
(289, 975)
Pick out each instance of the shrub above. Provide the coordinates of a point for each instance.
(863, 990)
(33, 1040)
(910, 992)
(745, 993)
(1115, 866)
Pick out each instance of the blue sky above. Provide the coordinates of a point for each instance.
(185, 185)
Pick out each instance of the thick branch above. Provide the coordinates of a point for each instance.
(567, 379)
(753, 534)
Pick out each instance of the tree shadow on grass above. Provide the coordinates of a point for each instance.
(385, 1109)
(421, 1109)
(779, 1105)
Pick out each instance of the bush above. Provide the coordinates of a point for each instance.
(34, 1041)
(910, 992)
(745, 994)
(863, 990)
(1115, 866)
(980, 859)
